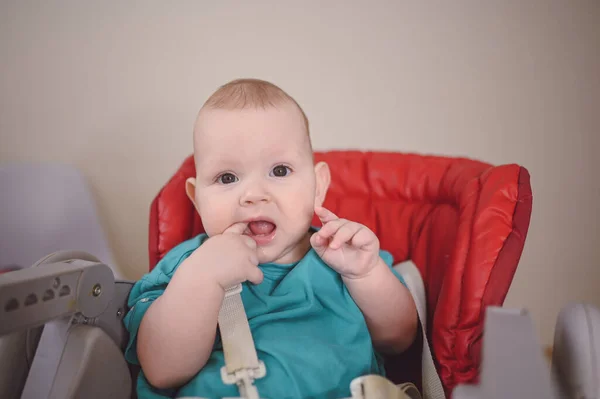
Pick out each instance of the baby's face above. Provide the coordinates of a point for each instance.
(256, 166)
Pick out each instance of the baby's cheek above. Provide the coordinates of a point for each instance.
(303, 210)
(215, 218)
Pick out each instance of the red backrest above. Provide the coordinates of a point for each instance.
(462, 222)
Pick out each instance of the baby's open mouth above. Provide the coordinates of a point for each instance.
(261, 228)
(261, 231)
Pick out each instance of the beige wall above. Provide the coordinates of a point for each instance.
(113, 88)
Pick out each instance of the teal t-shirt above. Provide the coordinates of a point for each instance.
(307, 330)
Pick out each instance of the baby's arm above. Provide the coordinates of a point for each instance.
(387, 306)
(352, 250)
(177, 333)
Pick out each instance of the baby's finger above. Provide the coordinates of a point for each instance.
(253, 257)
(319, 244)
(344, 234)
(317, 241)
(331, 228)
(249, 242)
(255, 275)
(363, 238)
(237, 228)
(324, 214)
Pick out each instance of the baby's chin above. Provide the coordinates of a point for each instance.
(265, 257)
(287, 256)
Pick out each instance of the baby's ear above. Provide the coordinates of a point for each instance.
(190, 190)
(323, 179)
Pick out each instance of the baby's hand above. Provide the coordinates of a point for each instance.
(350, 248)
(230, 258)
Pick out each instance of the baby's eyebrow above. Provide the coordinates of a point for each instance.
(213, 166)
(219, 159)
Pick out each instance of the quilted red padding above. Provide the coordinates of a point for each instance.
(461, 221)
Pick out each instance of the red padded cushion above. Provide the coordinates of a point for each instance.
(462, 222)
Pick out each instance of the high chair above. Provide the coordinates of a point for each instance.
(462, 222)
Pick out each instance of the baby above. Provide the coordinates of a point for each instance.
(323, 304)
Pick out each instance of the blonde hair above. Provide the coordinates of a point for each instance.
(244, 93)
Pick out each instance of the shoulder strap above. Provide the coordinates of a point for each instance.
(432, 385)
(242, 365)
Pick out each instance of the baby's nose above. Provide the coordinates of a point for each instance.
(255, 196)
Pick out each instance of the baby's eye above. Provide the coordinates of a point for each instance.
(280, 171)
(227, 178)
